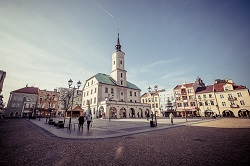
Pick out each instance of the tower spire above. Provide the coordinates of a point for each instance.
(118, 45)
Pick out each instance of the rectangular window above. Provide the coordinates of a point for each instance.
(142, 100)
(191, 97)
(106, 90)
(95, 100)
(242, 102)
(223, 103)
(121, 75)
(189, 90)
(210, 96)
(221, 96)
(204, 96)
(232, 102)
(91, 91)
(112, 90)
(95, 90)
(156, 105)
(185, 104)
(179, 104)
(206, 103)
(200, 103)
(212, 102)
(130, 93)
(155, 99)
(192, 104)
(134, 93)
(239, 94)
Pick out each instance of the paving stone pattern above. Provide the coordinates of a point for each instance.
(216, 142)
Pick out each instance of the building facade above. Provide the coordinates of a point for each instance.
(47, 103)
(112, 96)
(233, 99)
(2, 77)
(186, 103)
(153, 99)
(206, 101)
(167, 102)
(22, 102)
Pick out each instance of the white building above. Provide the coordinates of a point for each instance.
(112, 96)
(167, 102)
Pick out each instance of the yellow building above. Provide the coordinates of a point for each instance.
(152, 98)
(233, 99)
(206, 101)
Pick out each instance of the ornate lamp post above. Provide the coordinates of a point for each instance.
(185, 101)
(150, 91)
(70, 82)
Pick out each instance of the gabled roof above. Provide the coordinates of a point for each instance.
(106, 79)
(186, 85)
(218, 87)
(205, 89)
(27, 90)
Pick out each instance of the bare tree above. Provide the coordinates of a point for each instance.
(65, 100)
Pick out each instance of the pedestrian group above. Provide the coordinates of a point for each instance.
(81, 121)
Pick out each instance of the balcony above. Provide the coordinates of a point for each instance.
(234, 106)
(232, 98)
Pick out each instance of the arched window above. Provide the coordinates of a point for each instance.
(121, 82)
(121, 75)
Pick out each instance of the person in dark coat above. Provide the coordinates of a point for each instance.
(81, 122)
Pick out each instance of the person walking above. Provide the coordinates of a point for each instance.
(89, 120)
(81, 120)
(171, 117)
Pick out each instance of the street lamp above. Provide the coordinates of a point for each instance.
(185, 101)
(70, 82)
(109, 98)
(40, 107)
(150, 91)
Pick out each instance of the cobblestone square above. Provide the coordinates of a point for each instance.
(222, 141)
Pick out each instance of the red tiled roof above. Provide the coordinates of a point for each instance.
(219, 86)
(204, 89)
(186, 85)
(28, 90)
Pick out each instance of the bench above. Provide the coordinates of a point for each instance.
(51, 122)
(59, 124)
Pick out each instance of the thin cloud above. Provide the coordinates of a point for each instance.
(147, 67)
(176, 73)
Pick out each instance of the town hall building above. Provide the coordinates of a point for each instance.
(112, 96)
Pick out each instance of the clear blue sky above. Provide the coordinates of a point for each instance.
(166, 42)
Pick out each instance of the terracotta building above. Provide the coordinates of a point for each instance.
(186, 104)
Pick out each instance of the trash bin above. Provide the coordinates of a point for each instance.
(152, 123)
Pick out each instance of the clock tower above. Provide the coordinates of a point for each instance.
(118, 72)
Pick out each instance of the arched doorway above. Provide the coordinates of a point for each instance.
(122, 113)
(140, 113)
(243, 113)
(227, 113)
(112, 112)
(101, 113)
(208, 113)
(146, 113)
(131, 113)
